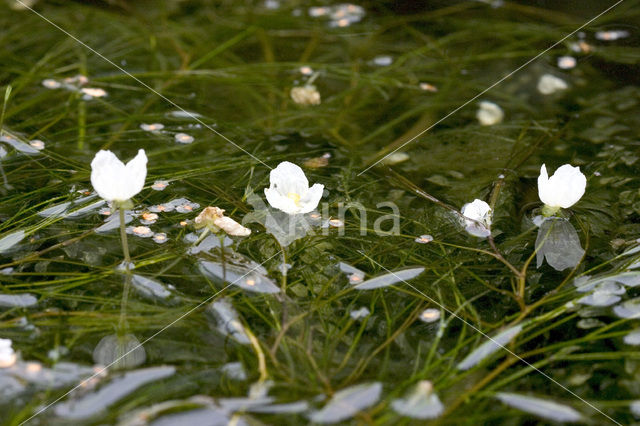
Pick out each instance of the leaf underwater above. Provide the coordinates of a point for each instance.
(489, 347)
(540, 407)
(389, 279)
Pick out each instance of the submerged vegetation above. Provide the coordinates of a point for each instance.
(409, 293)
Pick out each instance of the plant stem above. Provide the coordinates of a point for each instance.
(123, 238)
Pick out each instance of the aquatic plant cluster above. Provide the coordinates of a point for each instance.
(271, 213)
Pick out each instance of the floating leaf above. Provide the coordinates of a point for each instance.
(150, 288)
(420, 403)
(209, 416)
(633, 338)
(390, 278)
(348, 402)
(540, 407)
(113, 222)
(290, 408)
(25, 148)
(246, 278)
(559, 243)
(11, 240)
(489, 347)
(227, 320)
(55, 211)
(122, 351)
(628, 309)
(91, 404)
(22, 300)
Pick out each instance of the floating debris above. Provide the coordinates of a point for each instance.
(93, 92)
(359, 313)
(424, 239)
(160, 238)
(159, 185)
(428, 87)
(348, 402)
(21, 300)
(382, 61)
(154, 127)
(543, 408)
(395, 158)
(489, 347)
(183, 138)
(227, 320)
(389, 279)
(550, 84)
(489, 113)
(50, 83)
(119, 352)
(612, 35)
(7, 355)
(306, 70)
(420, 403)
(336, 223)
(91, 404)
(305, 95)
(140, 231)
(245, 278)
(430, 315)
(318, 162)
(214, 219)
(317, 12)
(78, 80)
(567, 62)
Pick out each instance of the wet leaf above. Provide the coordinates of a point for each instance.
(389, 279)
(150, 288)
(10, 240)
(246, 278)
(543, 408)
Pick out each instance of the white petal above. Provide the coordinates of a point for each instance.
(112, 180)
(288, 178)
(280, 202)
(231, 227)
(311, 199)
(564, 188)
(136, 173)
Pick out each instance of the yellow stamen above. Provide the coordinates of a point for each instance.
(295, 197)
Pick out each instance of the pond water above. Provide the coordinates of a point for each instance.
(414, 267)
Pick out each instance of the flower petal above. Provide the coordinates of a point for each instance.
(288, 178)
(280, 202)
(311, 199)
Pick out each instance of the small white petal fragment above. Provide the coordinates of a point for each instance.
(113, 181)
(567, 62)
(612, 35)
(430, 315)
(183, 138)
(154, 127)
(395, 158)
(159, 185)
(383, 61)
(563, 189)
(160, 238)
(306, 70)
(306, 95)
(424, 239)
(94, 92)
(477, 218)
(550, 84)
(148, 218)
(50, 83)
(357, 314)
(37, 144)
(420, 403)
(140, 231)
(489, 113)
(289, 190)
(7, 356)
(428, 87)
(543, 408)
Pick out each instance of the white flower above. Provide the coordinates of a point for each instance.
(7, 355)
(477, 218)
(549, 84)
(563, 189)
(114, 181)
(305, 95)
(289, 190)
(489, 113)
